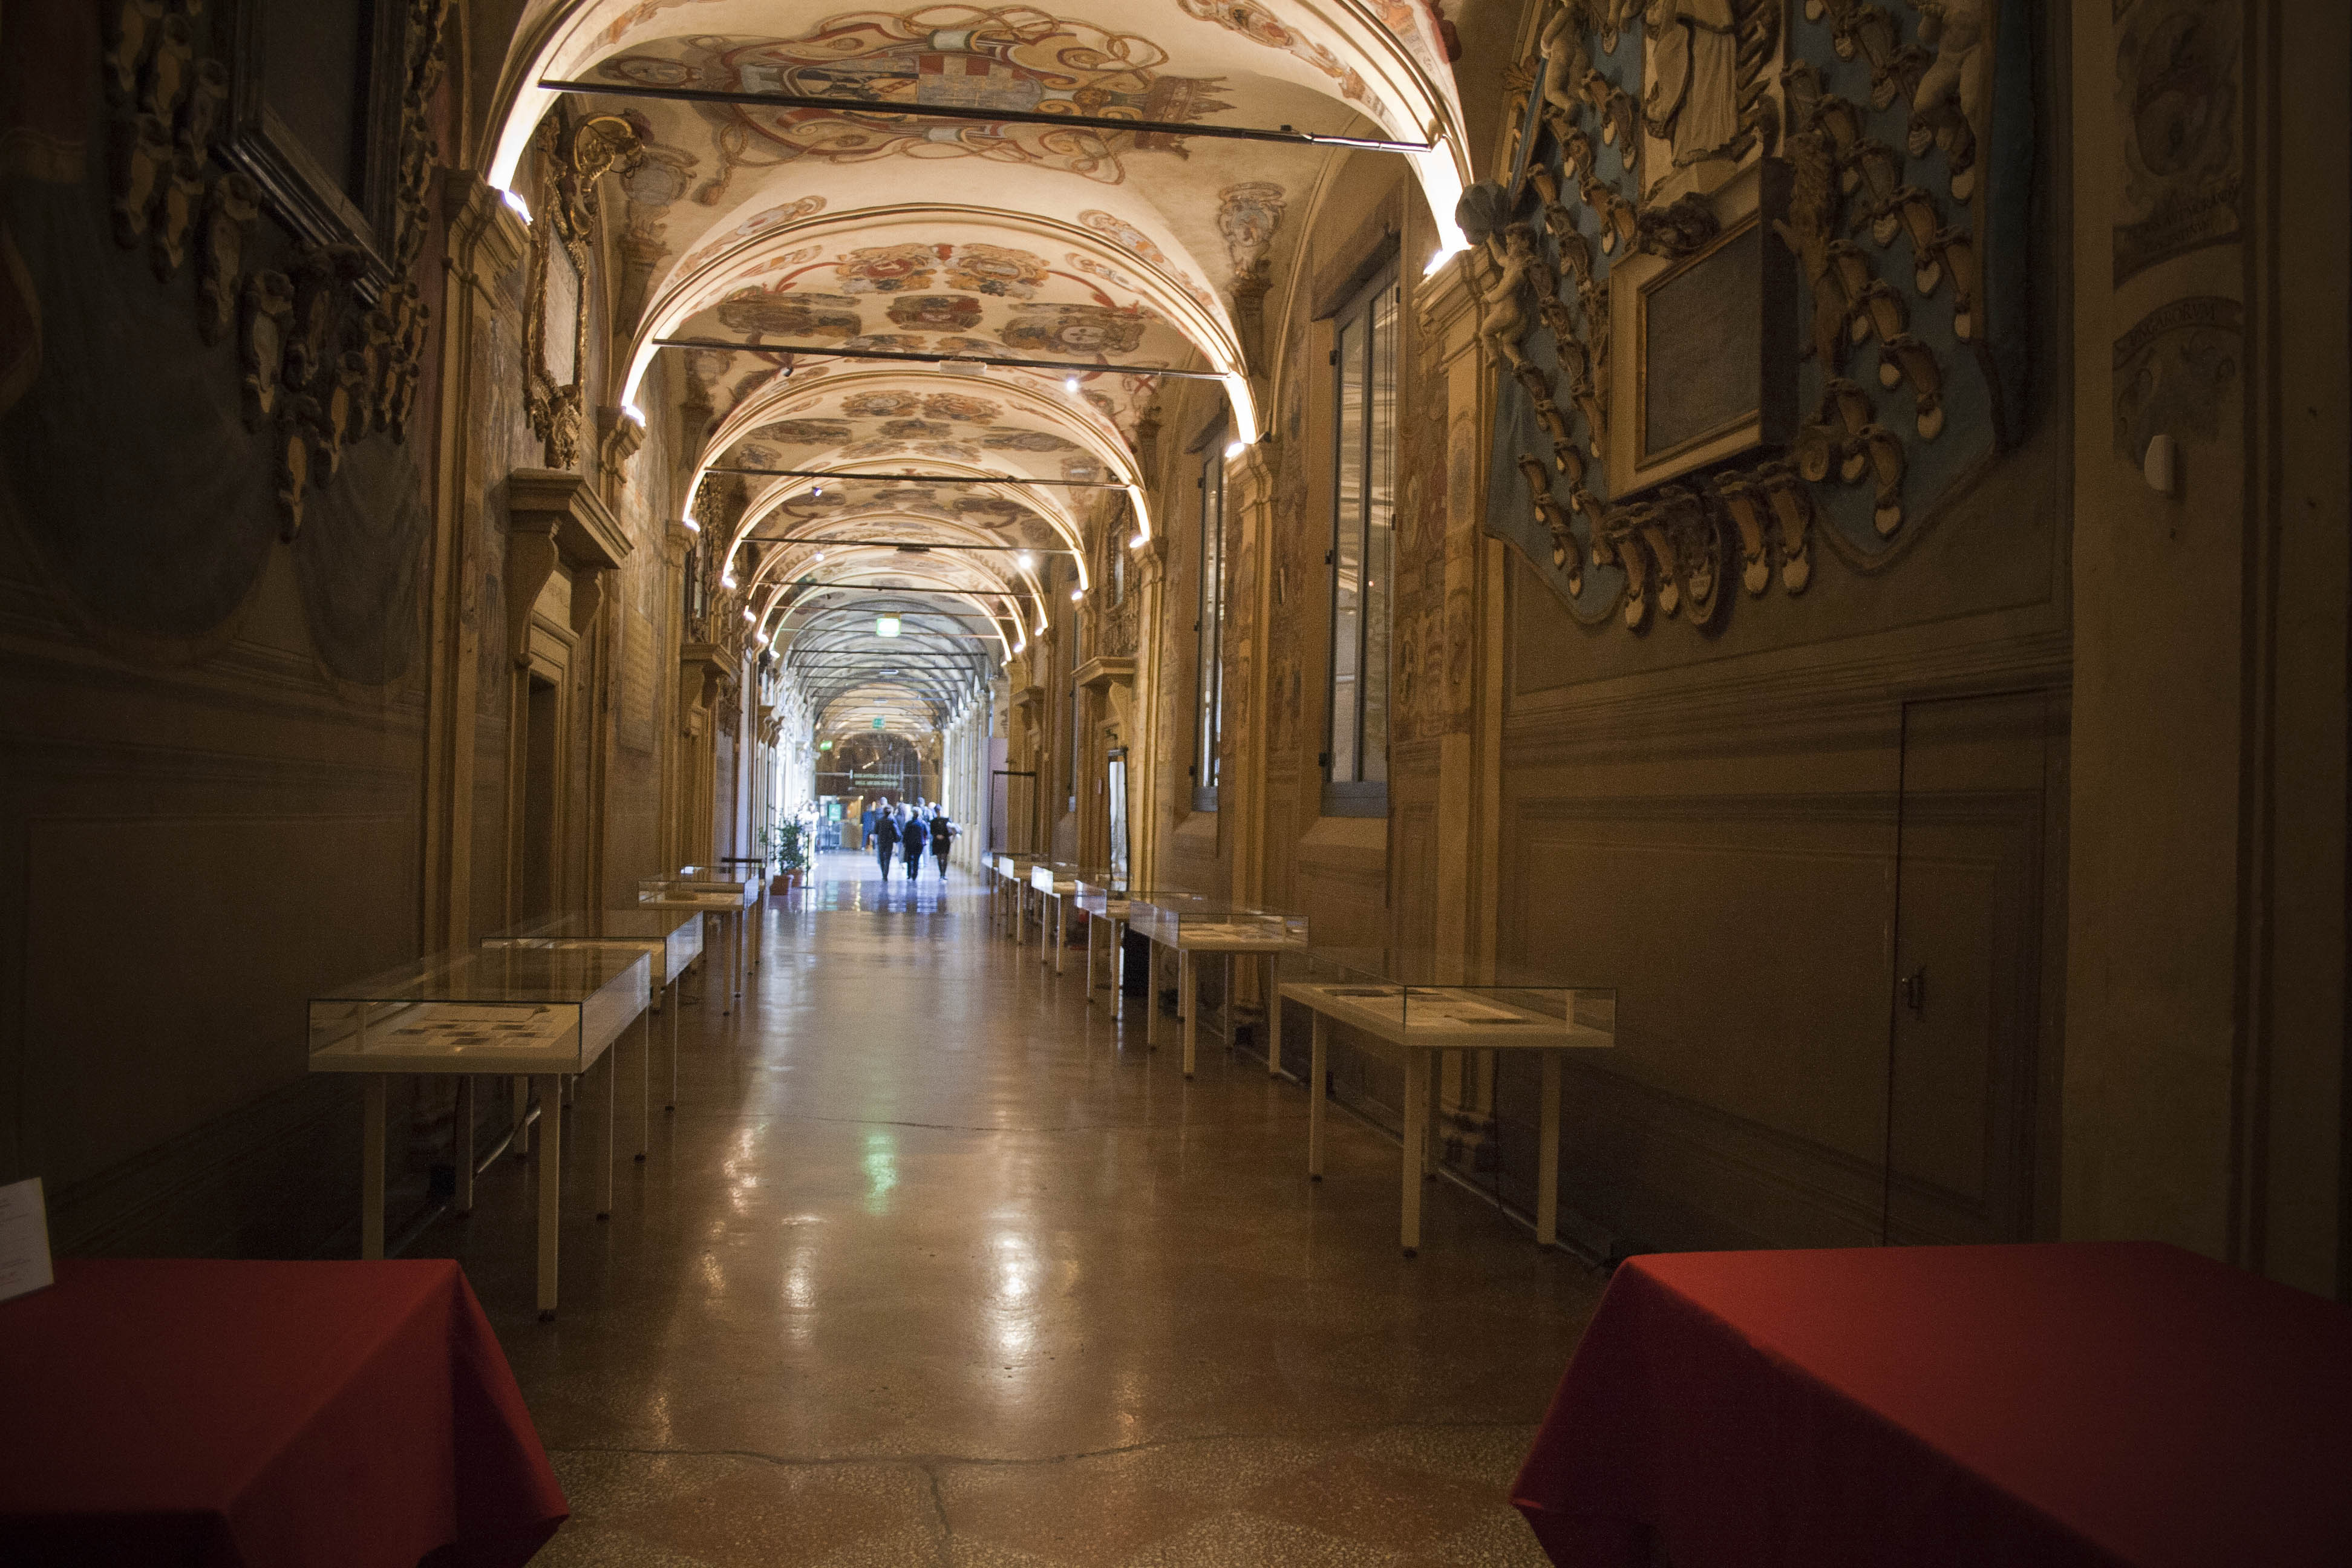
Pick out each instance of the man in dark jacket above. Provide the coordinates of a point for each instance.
(943, 834)
(910, 843)
(885, 838)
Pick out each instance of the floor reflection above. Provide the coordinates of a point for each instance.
(938, 1262)
(850, 880)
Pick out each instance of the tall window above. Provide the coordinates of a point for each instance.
(1209, 627)
(1072, 772)
(1363, 530)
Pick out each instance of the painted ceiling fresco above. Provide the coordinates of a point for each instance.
(859, 224)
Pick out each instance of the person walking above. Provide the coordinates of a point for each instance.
(943, 832)
(912, 835)
(885, 838)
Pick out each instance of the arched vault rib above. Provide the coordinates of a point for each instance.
(1161, 281)
(1360, 58)
(796, 564)
(1025, 406)
(765, 506)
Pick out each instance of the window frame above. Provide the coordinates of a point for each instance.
(1208, 620)
(1366, 707)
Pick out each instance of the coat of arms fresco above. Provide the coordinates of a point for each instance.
(1013, 58)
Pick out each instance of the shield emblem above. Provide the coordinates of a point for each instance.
(974, 81)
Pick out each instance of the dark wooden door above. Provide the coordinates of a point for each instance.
(1981, 782)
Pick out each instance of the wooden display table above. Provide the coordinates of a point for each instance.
(1103, 896)
(671, 940)
(1189, 926)
(537, 1013)
(1413, 1005)
(723, 895)
(1056, 883)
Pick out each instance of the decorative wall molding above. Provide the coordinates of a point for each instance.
(329, 350)
(554, 516)
(704, 678)
(1638, 462)
(1104, 671)
(571, 154)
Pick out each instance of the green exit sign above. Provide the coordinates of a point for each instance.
(825, 746)
(877, 721)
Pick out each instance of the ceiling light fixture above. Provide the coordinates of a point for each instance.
(749, 616)
(1235, 449)
(521, 208)
(1070, 385)
(691, 525)
(1076, 594)
(886, 626)
(636, 413)
(1025, 561)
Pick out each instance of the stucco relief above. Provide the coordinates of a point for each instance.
(1876, 155)
(2177, 67)
(2177, 372)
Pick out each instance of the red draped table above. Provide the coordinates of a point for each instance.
(228, 1414)
(2117, 1403)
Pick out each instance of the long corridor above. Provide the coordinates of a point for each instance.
(935, 1262)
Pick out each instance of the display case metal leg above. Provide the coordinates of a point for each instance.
(462, 1200)
(521, 1144)
(1416, 1138)
(1273, 1027)
(675, 986)
(645, 1083)
(1151, 995)
(372, 1117)
(1188, 987)
(550, 1187)
(1061, 931)
(1548, 1155)
(1091, 923)
(602, 1085)
(1318, 1051)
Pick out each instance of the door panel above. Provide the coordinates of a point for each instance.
(1968, 979)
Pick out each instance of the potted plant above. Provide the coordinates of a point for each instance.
(788, 852)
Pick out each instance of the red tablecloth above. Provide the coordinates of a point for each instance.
(243, 1414)
(2107, 1402)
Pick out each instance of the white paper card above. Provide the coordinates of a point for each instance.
(24, 1239)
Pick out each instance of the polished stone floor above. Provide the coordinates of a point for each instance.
(937, 1264)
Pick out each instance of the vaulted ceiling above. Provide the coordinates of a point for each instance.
(785, 251)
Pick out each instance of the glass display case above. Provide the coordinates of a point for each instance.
(1055, 879)
(519, 1010)
(1420, 1006)
(672, 938)
(1101, 894)
(699, 888)
(1191, 924)
(1416, 996)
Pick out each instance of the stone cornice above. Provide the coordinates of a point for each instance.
(554, 516)
(486, 235)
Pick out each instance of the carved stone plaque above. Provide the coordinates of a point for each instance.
(562, 318)
(1707, 367)
(1703, 346)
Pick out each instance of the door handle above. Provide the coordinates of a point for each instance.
(1913, 989)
